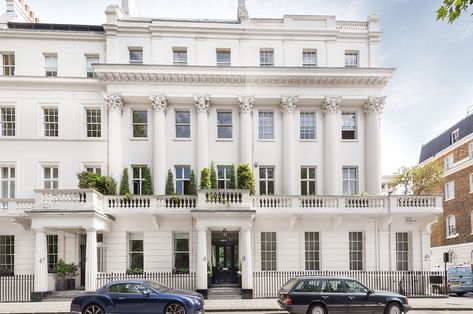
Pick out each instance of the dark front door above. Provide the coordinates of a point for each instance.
(225, 265)
(82, 251)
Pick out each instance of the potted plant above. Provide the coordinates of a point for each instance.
(134, 271)
(209, 274)
(5, 271)
(66, 273)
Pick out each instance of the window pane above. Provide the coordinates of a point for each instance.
(183, 117)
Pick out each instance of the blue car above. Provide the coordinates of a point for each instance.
(137, 297)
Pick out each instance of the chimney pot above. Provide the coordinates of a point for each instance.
(32, 14)
(36, 20)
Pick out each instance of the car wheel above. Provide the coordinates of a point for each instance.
(93, 309)
(460, 294)
(393, 308)
(175, 308)
(316, 309)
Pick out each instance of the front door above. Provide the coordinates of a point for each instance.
(224, 257)
(82, 252)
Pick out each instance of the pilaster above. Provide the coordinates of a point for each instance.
(245, 104)
(159, 104)
(288, 105)
(91, 261)
(332, 168)
(202, 260)
(202, 108)
(41, 262)
(115, 108)
(246, 266)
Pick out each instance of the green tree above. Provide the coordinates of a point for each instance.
(124, 186)
(213, 177)
(419, 180)
(107, 185)
(170, 183)
(103, 184)
(147, 183)
(192, 184)
(87, 180)
(245, 178)
(402, 180)
(205, 179)
(232, 178)
(452, 9)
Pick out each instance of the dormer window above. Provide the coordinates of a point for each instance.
(135, 55)
(454, 136)
(266, 57)
(179, 55)
(351, 59)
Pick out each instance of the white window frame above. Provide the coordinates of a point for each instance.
(451, 226)
(470, 150)
(135, 237)
(89, 60)
(350, 179)
(307, 132)
(134, 60)
(52, 179)
(448, 162)
(313, 61)
(309, 180)
(50, 126)
(182, 180)
(266, 57)
(224, 125)
(8, 242)
(182, 124)
(355, 239)
(177, 51)
(139, 180)
(50, 64)
(95, 127)
(181, 236)
(312, 250)
(350, 128)
(93, 168)
(348, 54)
(52, 241)
(7, 126)
(267, 241)
(266, 131)
(471, 224)
(454, 136)
(8, 69)
(138, 124)
(266, 180)
(223, 63)
(8, 181)
(402, 251)
(225, 179)
(471, 183)
(449, 190)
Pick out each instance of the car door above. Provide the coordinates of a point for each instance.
(334, 296)
(130, 298)
(305, 293)
(360, 299)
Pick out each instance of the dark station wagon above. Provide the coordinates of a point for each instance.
(323, 295)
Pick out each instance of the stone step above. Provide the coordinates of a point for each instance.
(224, 297)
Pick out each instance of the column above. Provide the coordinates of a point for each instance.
(425, 252)
(332, 132)
(202, 107)
(373, 109)
(91, 260)
(288, 104)
(41, 262)
(246, 103)
(384, 250)
(160, 105)
(202, 260)
(115, 107)
(246, 266)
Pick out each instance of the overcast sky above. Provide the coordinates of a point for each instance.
(431, 89)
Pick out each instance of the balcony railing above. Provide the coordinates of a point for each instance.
(217, 200)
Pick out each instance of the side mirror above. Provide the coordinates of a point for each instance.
(146, 293)
(370, 291)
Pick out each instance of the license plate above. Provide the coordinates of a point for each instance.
(456, 283)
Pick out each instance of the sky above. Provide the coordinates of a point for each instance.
(431, 88)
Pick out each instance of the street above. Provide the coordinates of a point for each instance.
(281, 312)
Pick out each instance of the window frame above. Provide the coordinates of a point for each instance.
(355, 53)
(448, 162)
(225, 63)
(137, 60)
(51, 180)
(8, 242)
(268, 264)
(470, 150)
(307, 132)
(312, 237)
(52, 241)
(349, 128)
(8, 181)
(181, 236)
(50, 128)
(451, 226)
(224, 125)
(264, 134)
(135, 236)
(90, 73)
(8, 69)
(447, 190)
(176, 51)
(226, 176)
(266, 180)
(182, 125)
(8, 127)
(93, 168)
(182, 180)
(308, 51)
(50, 68)
(137, 182)
(266, 57)
(356, 237)
(144, 125)
(308, 180)
(349, 179)
(402, 254)
(93, 127)
(454, 136)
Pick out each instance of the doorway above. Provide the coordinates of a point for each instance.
(82, 258)
(225, 258)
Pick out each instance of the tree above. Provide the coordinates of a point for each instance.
(213, 177)
(452, 9)
(402, 180)
(205, 179)
(426, 179)
(232, 178)
(192, 184)
(245, 178)
(124, 187)
(170, 183)
(147, 183)
(103, 184)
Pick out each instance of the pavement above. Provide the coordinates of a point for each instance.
(456, 304)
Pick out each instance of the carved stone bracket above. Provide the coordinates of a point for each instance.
(159, 103)
(202, 103)
(288, 103)
(374, 105)
(331, 104)
(246, 103)
(114, 102)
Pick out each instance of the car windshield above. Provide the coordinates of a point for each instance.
(157, 286)
(288, 285)
(459, 271)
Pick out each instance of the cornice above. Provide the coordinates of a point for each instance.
(40, 34)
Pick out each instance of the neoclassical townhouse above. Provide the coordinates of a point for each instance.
(299, 99)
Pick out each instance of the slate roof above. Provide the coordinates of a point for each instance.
(439, 143)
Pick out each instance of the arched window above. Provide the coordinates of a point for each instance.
(451, 226)
(453, 257)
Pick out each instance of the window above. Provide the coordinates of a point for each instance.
(334, 286)
(223, 57)
(266, 57)
(183, 174)
(7, 182)
(351, 59)
(91, 59)
(51, 122)
(470, 150)
(266, 125)
(313, 285)
(308, 180)
(140, 123)
(449, 190)
(181, 252)
(183, 124)
(7, 252)
(451, 226)
(127, 288)
(402, 251)
(93, 121)
(350, 180)
(223, 176)
(135, 55)
(454, 136)
(309, 58)
(356, 250)
(8, 121)
(94, 169)
(8, 63)
(307, 126)
(355, 287)
(50, 177)
(50, 64)
(448, 162)
(135, 251)
(266, 180)
(348, 125)
(471, 182)
(52, 240)
(179, 55)
(471, 223)
(138, 179)
(268, 251)
(224, 124)
(312, 251)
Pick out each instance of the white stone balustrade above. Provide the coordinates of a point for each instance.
(14, 207)
(68, 200)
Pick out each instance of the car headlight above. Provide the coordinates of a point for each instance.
(196, 301)
(406, 301)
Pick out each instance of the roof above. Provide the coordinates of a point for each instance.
(325, 277)
(441, 142)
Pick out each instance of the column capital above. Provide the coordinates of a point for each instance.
(90, 230)
(202, 103)
(159, 103)
(331, 104)
(201, 228)
(288, 103)
(246, 103)
(114, 102)
(374, 105)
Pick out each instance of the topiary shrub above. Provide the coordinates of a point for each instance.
(124, 186)
(245, 179)
(170, 183)
(232, 178)
(213, 177)
(147, 183)
(103, 184)
(134, 271)
(192, 184)
(205, 179)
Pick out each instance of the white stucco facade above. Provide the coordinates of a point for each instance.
(284, 91)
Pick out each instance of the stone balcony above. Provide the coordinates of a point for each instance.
(84, 200)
